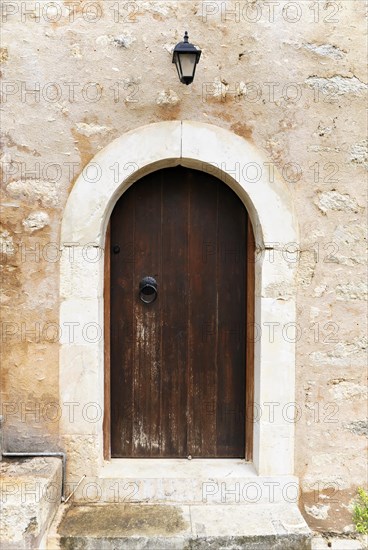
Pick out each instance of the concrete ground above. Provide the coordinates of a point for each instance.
(160, 527)
(339, 543)
(30, 493)
(189, 527)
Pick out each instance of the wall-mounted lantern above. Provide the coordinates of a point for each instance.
(186, 56)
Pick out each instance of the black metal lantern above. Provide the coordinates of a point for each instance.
(186, 56)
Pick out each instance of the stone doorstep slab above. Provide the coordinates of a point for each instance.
(185, 482)
(161, 527)
(30, 496)
(190, 491)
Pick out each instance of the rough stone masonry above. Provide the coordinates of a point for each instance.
(289, 77)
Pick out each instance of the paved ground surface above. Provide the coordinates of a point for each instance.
(153, 526)
(159, 527)
(339, 543)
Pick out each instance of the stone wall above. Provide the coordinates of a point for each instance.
(289, 77)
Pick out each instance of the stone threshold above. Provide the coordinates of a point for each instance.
(185, 482)
(177, 467)
(160, 527)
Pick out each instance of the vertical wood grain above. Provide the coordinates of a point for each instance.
(107, 342)
(249, 376)
(178, 364)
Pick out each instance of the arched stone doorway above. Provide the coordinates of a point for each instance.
(265, 196)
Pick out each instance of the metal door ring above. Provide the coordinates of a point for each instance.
(148, 290)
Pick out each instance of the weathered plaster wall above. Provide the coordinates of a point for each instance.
(288, 76)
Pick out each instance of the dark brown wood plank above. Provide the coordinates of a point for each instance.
(174, 301)
(249, 376)
(107, 343)
(202, 315)
(147, 319)
(231, 324)
(122, 326)
(178, 365)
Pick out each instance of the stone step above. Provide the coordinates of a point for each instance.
(30, 493)
(179, 481)
(164, 527)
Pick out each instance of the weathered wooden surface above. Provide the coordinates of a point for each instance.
(178, 364)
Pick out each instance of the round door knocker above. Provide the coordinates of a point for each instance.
(148, 290)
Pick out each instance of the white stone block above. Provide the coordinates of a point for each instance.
(111, 171)
(82, 411)
(81, 272)
(278, 267)
(81, 321)
(243, 168)
(276, 449)
(84, 457)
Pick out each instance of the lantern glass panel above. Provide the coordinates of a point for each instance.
(188, 63)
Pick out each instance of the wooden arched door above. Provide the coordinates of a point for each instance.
(178, 379)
